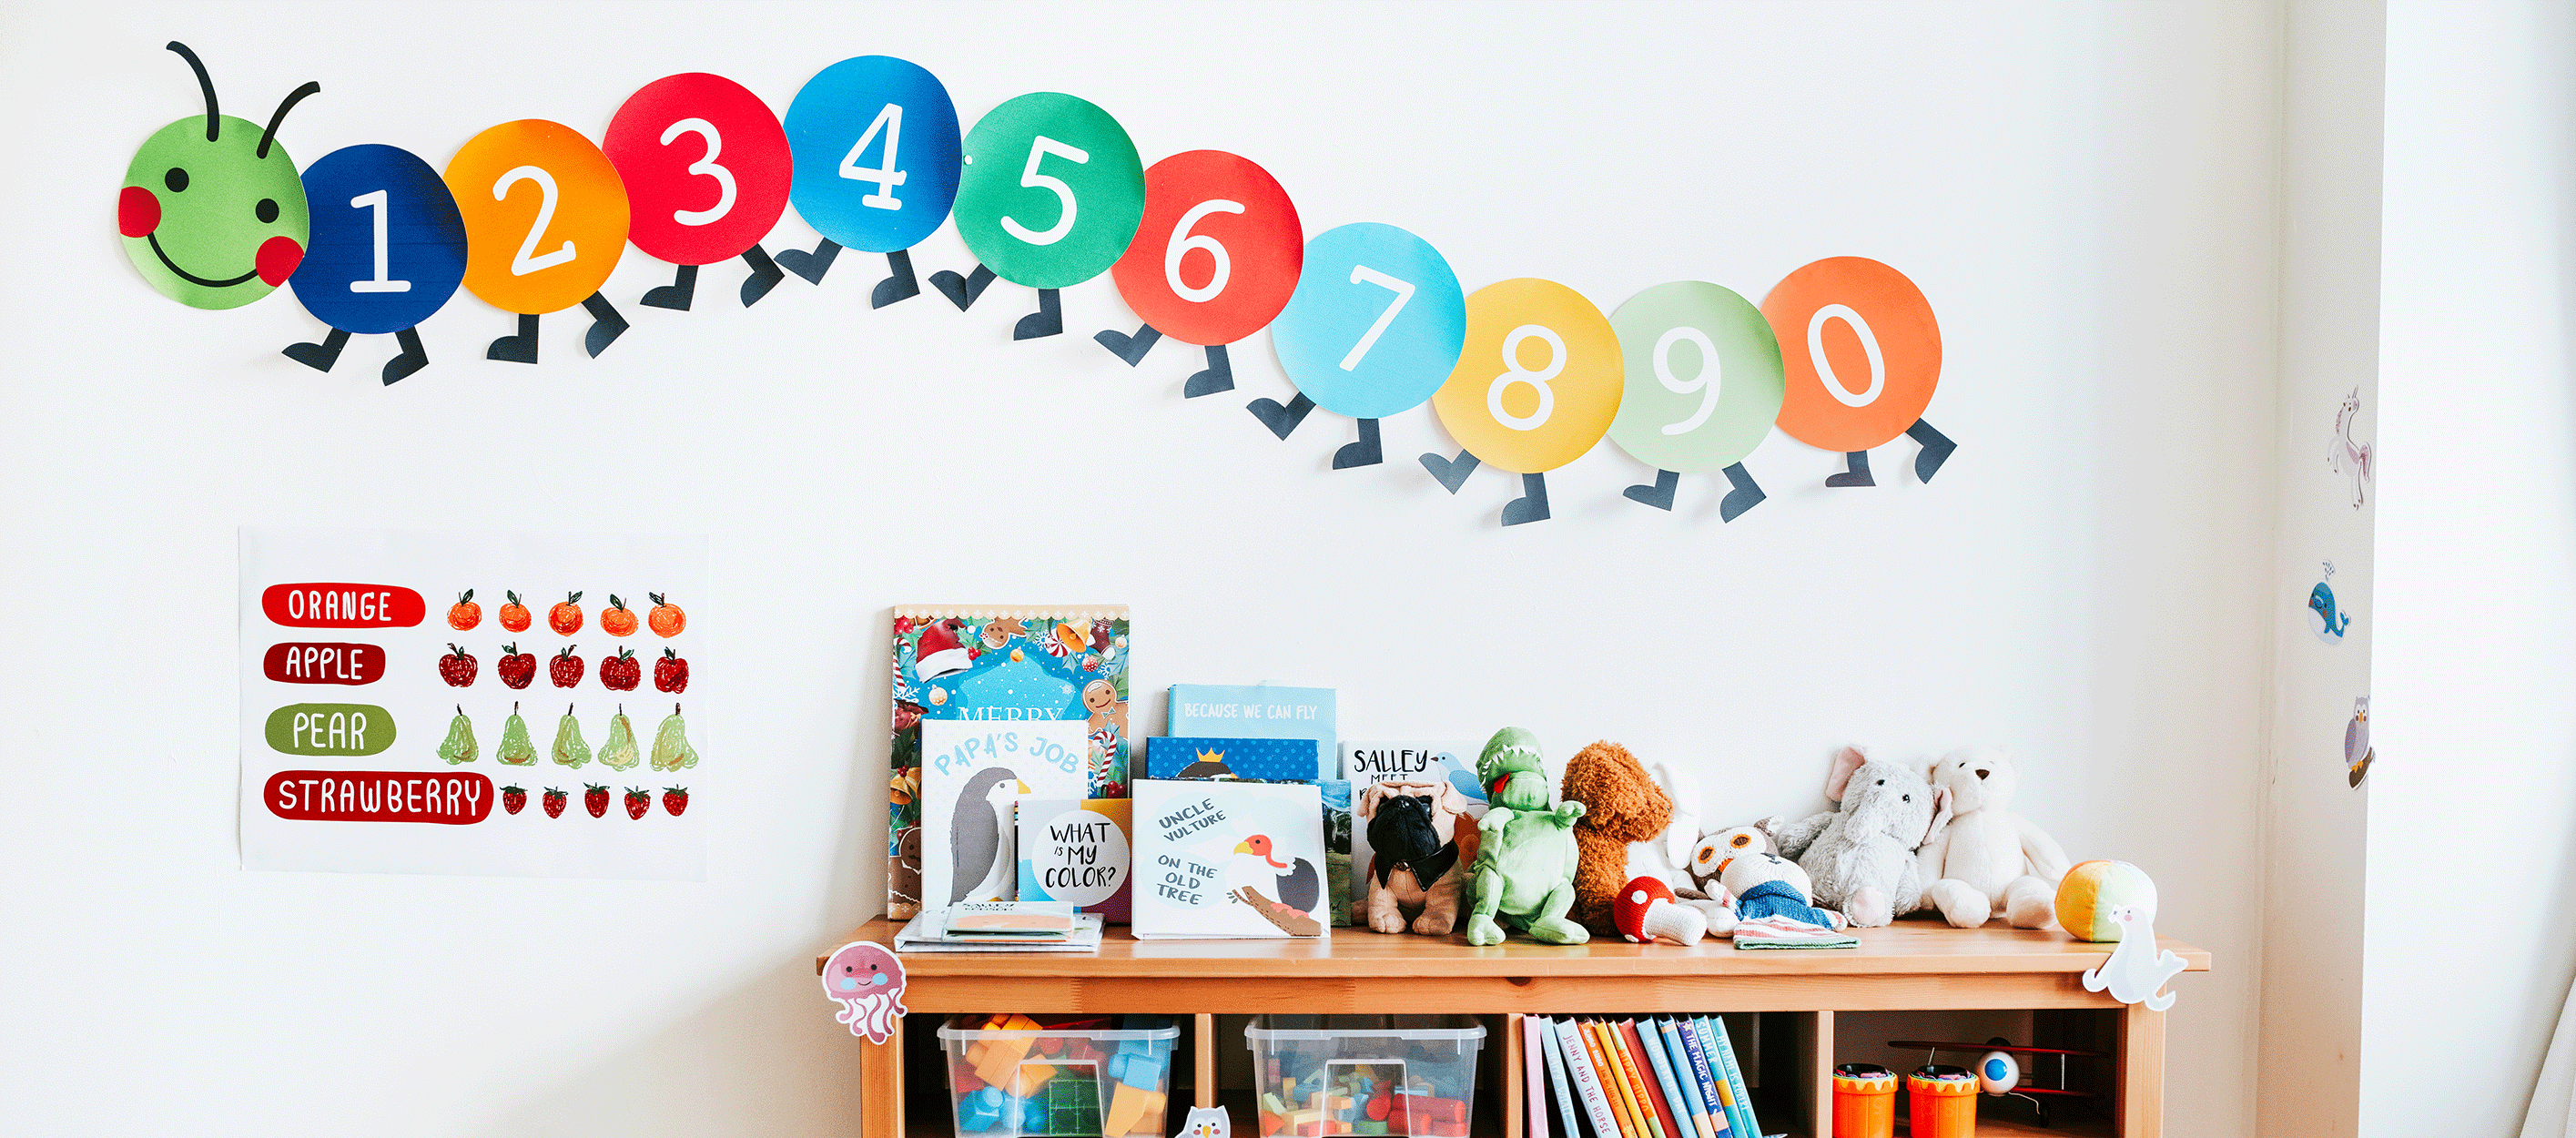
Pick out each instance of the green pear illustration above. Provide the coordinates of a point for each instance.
(459, 747)
(619, 752)
(516, 748)
(671, 749)
(569, 748)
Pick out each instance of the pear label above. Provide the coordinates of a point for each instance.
(330, 729)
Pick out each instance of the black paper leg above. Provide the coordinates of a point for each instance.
(1744, 497)
(320, 356)
(962, 291)
(1219, 376)
(519, 349)
(676, 295)
(605, 324)
(1452, 472)
(1659, 495)
(1365, 452)
(1281, 420)
(810, 266)
(1936, 449)
(1856, 471)
(765, 275)
(901, 285)
(1129, 348)
(1048, 320)
(412, 359)
(1531, 506)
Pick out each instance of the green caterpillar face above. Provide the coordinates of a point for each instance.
(212, 223)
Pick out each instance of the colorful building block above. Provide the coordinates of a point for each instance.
(979, 1111)
(1133, 1109)
(1029, 1079)
(1143, 1072)
(1073, 1107)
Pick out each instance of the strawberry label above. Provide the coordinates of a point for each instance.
(324, 663)
(451, 798)
(337, 605)
(330, 729)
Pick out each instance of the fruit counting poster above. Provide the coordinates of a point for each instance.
(475, 703)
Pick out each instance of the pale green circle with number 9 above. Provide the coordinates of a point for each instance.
(1052, 191)
(1703, 377)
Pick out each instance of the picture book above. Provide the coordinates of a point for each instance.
(1228, 860)
(1719, 1119)
(1258, 711)
(1534, 1077)
(1542, 1035)
(1337, 848)
(1668, 1090)
(1702, 1119)
(1734, 1086)
(1650, 1092)
(973, 772)
(1077, 850)
(1634, 1113)
(1240, 759)
(1030, 919)
(1005, 663)
(1367, 763)
(1588, 1084)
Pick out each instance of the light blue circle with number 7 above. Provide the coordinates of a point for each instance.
(876, 146)
(388, 243)
(1703, 377)
(1376, 323)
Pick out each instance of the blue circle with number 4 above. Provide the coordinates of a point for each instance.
(876, 146)
(388, 243)
(1376, 323)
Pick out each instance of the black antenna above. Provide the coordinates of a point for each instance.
(292, 97)
(214, 125)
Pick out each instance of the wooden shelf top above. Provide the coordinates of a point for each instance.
(1912, 947)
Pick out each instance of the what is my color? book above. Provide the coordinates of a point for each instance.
(1229, 860)
(1078, 851)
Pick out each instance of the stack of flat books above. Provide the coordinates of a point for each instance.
(1001, 926)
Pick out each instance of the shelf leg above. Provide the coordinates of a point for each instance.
(1515, 1096)
(1203, 1060)
(881, 1083)
(1815, 1085)
(2142, 1072)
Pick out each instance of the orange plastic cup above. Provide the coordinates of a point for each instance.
(1864, 1101)
(1943, 1100)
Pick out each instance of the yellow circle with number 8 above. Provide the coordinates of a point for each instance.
(1539, 380)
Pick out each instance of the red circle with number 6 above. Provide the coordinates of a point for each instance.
(706, 167)
(1218, 252)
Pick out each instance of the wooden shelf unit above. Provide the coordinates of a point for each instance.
(1909, 966)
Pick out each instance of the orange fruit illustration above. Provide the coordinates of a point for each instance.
(616, 619)
(464, 614)
(666, 618)
(565, 617)
(514, 616)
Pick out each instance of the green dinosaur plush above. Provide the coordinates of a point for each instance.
(1525, 868)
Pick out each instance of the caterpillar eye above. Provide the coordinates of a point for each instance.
(176, 179)
(267, 210)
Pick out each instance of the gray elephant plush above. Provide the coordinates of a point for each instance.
(1861, 854)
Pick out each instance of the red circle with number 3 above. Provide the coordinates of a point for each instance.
(706, 167)
(1218, 252)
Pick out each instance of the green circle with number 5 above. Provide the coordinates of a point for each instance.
(1703, 380)
(1051, 192)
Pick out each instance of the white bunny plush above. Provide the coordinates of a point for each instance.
(1989, 860)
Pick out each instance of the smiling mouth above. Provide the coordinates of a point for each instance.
(190, 277)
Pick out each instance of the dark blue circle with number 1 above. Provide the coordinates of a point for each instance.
(859, 126)
(378, 264)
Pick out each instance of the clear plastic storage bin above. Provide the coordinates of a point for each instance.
(1409, 1075)
(1008, 1075)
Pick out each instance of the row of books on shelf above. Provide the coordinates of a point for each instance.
(1649, 1077)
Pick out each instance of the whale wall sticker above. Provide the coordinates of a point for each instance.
(2325, 619)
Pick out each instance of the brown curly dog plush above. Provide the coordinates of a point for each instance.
(1622, 804)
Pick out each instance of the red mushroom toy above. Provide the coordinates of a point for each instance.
(1646, 910)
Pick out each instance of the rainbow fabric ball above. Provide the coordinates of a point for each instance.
(2094, 888)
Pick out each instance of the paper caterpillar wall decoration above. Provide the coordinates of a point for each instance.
(1205, 247)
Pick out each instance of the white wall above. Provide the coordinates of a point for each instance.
(2476, 544)
(2086, 194)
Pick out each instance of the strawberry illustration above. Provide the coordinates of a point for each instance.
(565, 669)
(464, 614)
(513, 799)
(514, 616)
(667, 619)
(457, 670)
(565, 617)
(594, 798)
(516, 668)
(620, 672)
(555, 801)
(638, 803)
(617, 619)
(675, 799)
(671, 672)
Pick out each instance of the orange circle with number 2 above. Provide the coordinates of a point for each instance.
(545, 215)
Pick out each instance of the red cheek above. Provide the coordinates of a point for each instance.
(278, 257)
(137, 211)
